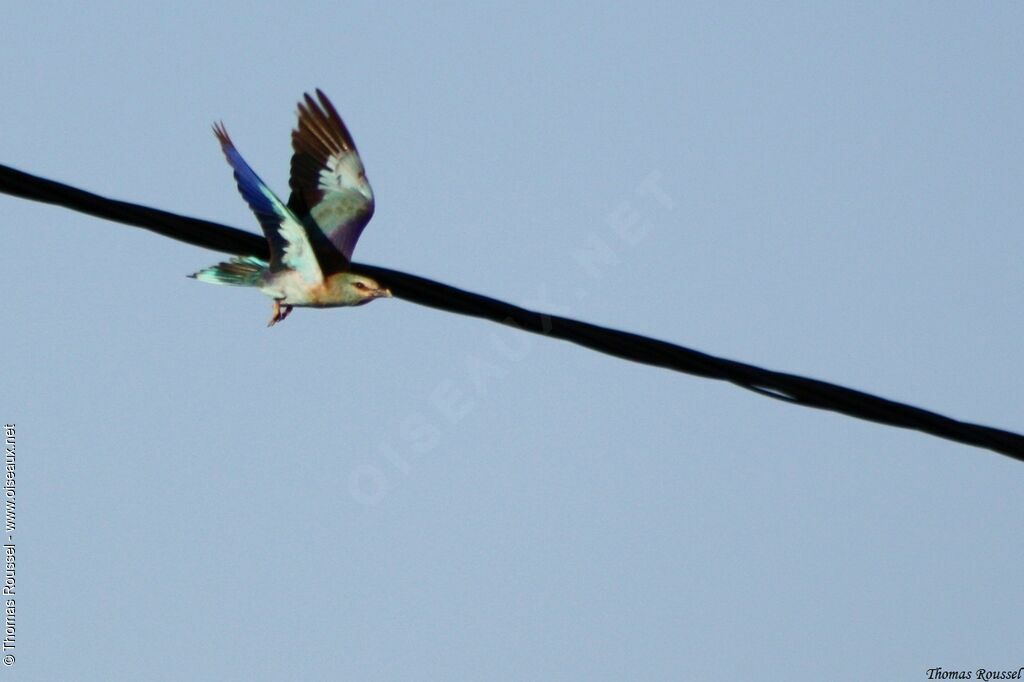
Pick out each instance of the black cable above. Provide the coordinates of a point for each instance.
(779, 385)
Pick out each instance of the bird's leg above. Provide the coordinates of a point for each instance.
(278, 314)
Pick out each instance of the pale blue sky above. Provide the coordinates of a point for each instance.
(846, 203)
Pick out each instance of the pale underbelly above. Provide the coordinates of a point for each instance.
(291, 288)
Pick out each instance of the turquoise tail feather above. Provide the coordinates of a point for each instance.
(243, 271)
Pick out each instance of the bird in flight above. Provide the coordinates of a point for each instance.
(310, 239)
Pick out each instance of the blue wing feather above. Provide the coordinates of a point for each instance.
(251, 188)
(288, 240)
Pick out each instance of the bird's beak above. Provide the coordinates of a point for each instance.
(384, 292)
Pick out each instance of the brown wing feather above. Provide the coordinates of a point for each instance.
(320, 134)
(329, 188)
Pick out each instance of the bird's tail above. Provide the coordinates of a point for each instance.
(241, 271)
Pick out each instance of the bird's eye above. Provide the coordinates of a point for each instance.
(360, 285)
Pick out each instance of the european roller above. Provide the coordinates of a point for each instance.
(311, 239)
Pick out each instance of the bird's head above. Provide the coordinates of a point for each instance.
(359, 289)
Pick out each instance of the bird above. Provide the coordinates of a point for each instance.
(311, 239)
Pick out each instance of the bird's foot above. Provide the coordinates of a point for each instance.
(280, 312)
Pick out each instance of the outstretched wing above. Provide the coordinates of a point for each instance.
(289, 245)
(328, 182)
